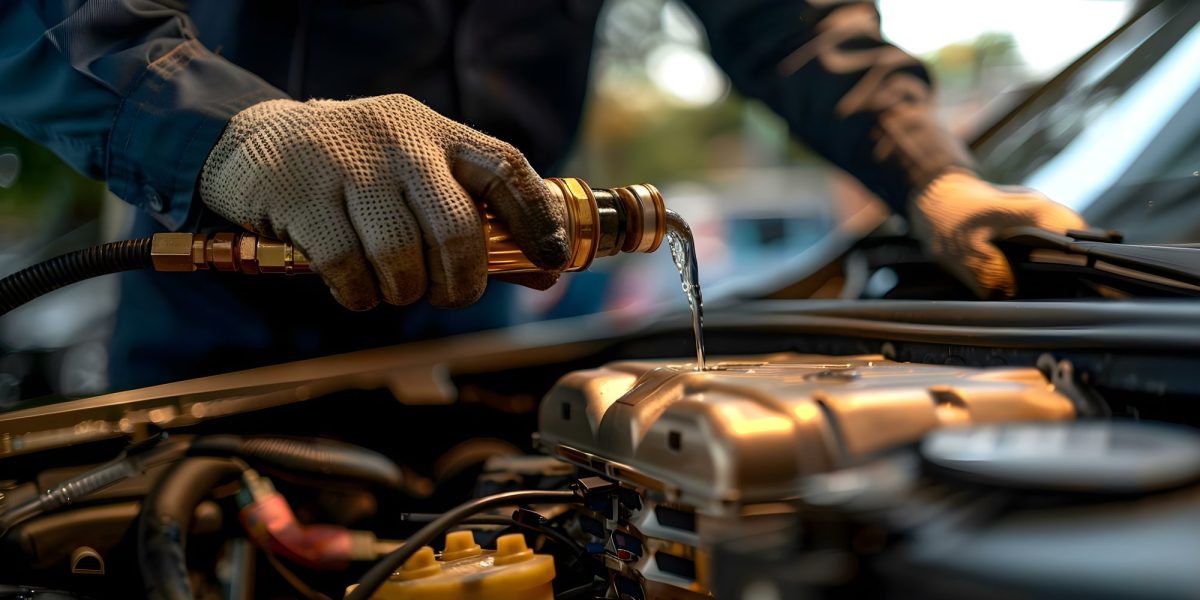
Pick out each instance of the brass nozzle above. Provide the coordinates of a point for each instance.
(245, 252)
(599, 222)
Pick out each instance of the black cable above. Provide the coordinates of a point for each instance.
(133, 462)
(546, 530)
(378, 574)
(555, 536)
(49, 275)
(431, 517)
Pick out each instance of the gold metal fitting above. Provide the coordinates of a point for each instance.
(583, 220)
(245, 252)
(582, 225)
(172, 252)
(599, 222)
(220, 253)
(646, 217)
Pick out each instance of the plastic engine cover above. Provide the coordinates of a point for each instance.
(750, 429)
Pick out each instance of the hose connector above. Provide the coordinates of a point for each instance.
(245, 252)
(599, 222)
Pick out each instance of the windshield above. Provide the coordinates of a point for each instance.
(1115, 136)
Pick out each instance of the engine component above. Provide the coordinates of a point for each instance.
(324, 458)
(1015, 510)
(1091, 458)
(750, 429)
(465, 571)
(383, 570)
(85, 560)
(700, 456)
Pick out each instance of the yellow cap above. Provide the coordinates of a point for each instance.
(421, 564)
(460, 544)
(511, 548)
(515, 573)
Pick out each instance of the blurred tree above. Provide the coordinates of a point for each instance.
(966, 65)
(637, 125)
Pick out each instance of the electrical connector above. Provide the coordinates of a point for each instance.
(255, 488)
(270, 522)
(590, 487)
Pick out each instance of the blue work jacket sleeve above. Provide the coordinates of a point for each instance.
(122, 91)
(824, 66)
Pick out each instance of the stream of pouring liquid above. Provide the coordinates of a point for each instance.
(683, 252)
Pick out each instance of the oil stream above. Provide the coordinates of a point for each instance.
(683, 252)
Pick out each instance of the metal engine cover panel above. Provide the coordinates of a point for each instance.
(751, 428)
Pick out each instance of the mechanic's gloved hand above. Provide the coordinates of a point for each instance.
(958, 215)
(380, 194)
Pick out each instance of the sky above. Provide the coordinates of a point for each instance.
(1048, 33)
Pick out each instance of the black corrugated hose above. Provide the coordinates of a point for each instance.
(49, 275)
(320, 457)
(166, 518)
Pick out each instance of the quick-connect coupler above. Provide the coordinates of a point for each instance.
(226, 251)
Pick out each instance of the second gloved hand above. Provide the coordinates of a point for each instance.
(381, 194)
(958, 215)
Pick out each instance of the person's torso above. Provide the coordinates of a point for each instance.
(515, 70)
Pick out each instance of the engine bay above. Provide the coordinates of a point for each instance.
(832, 448)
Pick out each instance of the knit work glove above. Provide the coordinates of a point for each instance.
(382, 194)
(958, 215)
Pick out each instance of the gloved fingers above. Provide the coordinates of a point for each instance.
(452, 230)
(983, 267)
(327, 237)
(496, 173)
(538, 280)
(390, 237)
(1055, 217)
(990, 275)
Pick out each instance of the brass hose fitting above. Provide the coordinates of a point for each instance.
(246, 252)
(600, 222)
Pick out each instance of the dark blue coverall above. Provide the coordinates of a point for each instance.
(136, 92)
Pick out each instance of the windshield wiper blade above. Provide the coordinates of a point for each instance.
(1100, 258)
